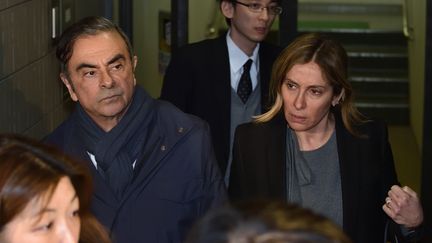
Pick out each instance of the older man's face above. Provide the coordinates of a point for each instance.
(101, 77)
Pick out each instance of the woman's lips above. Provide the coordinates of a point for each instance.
(297, 119)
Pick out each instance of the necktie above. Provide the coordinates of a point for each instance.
(244, 88)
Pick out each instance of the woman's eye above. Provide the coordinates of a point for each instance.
(75, 213)
(44, 227)
(290, 85)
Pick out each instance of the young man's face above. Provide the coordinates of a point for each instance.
(248, 27)
(101, 76)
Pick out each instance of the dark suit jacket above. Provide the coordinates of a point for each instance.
(366, 169)
(198, 81)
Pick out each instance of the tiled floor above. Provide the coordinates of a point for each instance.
(406, 155)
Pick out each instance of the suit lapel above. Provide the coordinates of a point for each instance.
(276, 154)
(350, 171)
(219, 86)
(265, 72)
(221, 74)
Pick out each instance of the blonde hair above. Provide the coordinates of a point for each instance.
(332, 59)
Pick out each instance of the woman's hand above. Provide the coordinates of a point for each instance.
(403, 206)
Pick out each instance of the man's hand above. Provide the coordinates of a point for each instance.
(403, 206)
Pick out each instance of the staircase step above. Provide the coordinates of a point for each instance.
(396, 113)
(378, 75)
(366, 37)
(375, 79)
(376, 51)
(368, 105)
(379, 63)
(379, 84)
(378, 58)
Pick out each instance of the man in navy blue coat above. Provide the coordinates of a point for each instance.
(153, 166)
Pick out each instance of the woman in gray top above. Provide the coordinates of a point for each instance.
(315, 149)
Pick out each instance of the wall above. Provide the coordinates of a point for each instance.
(90, 7)
(385, 15)
(33, 100)
(146, 32)
(145, 39)
(31, 96)
(417, 20)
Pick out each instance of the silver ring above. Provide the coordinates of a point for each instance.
(388, 201)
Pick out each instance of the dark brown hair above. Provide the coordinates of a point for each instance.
(88, 26)
(31, 170)
(265, 222)
(233, 2)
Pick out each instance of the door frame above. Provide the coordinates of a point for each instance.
(288, 22)
(426, 181)
(126, 17)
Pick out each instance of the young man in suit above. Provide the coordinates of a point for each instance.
(214, 80)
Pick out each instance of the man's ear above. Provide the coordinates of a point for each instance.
(69, 86)
(227, 9)
(134, 63)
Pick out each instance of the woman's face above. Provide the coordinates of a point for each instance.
(57, 221)
(307, 98)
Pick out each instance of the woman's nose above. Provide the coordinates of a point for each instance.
(68, 233)
(299, 102)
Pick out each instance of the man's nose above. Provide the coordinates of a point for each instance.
(107, 80)
(264, 15)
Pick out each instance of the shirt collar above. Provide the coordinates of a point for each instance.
(237, 57)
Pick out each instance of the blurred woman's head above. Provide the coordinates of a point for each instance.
(265, 222)
(44, 195)
(312, 73)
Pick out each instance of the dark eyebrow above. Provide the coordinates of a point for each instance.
(113, 60)
(116, 58)
(84, 65)
(310, 87)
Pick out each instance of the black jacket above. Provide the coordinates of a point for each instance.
(366, 169)
(198, 81)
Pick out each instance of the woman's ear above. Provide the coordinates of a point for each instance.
(338, 98)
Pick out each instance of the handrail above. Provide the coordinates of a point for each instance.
(407, 29)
